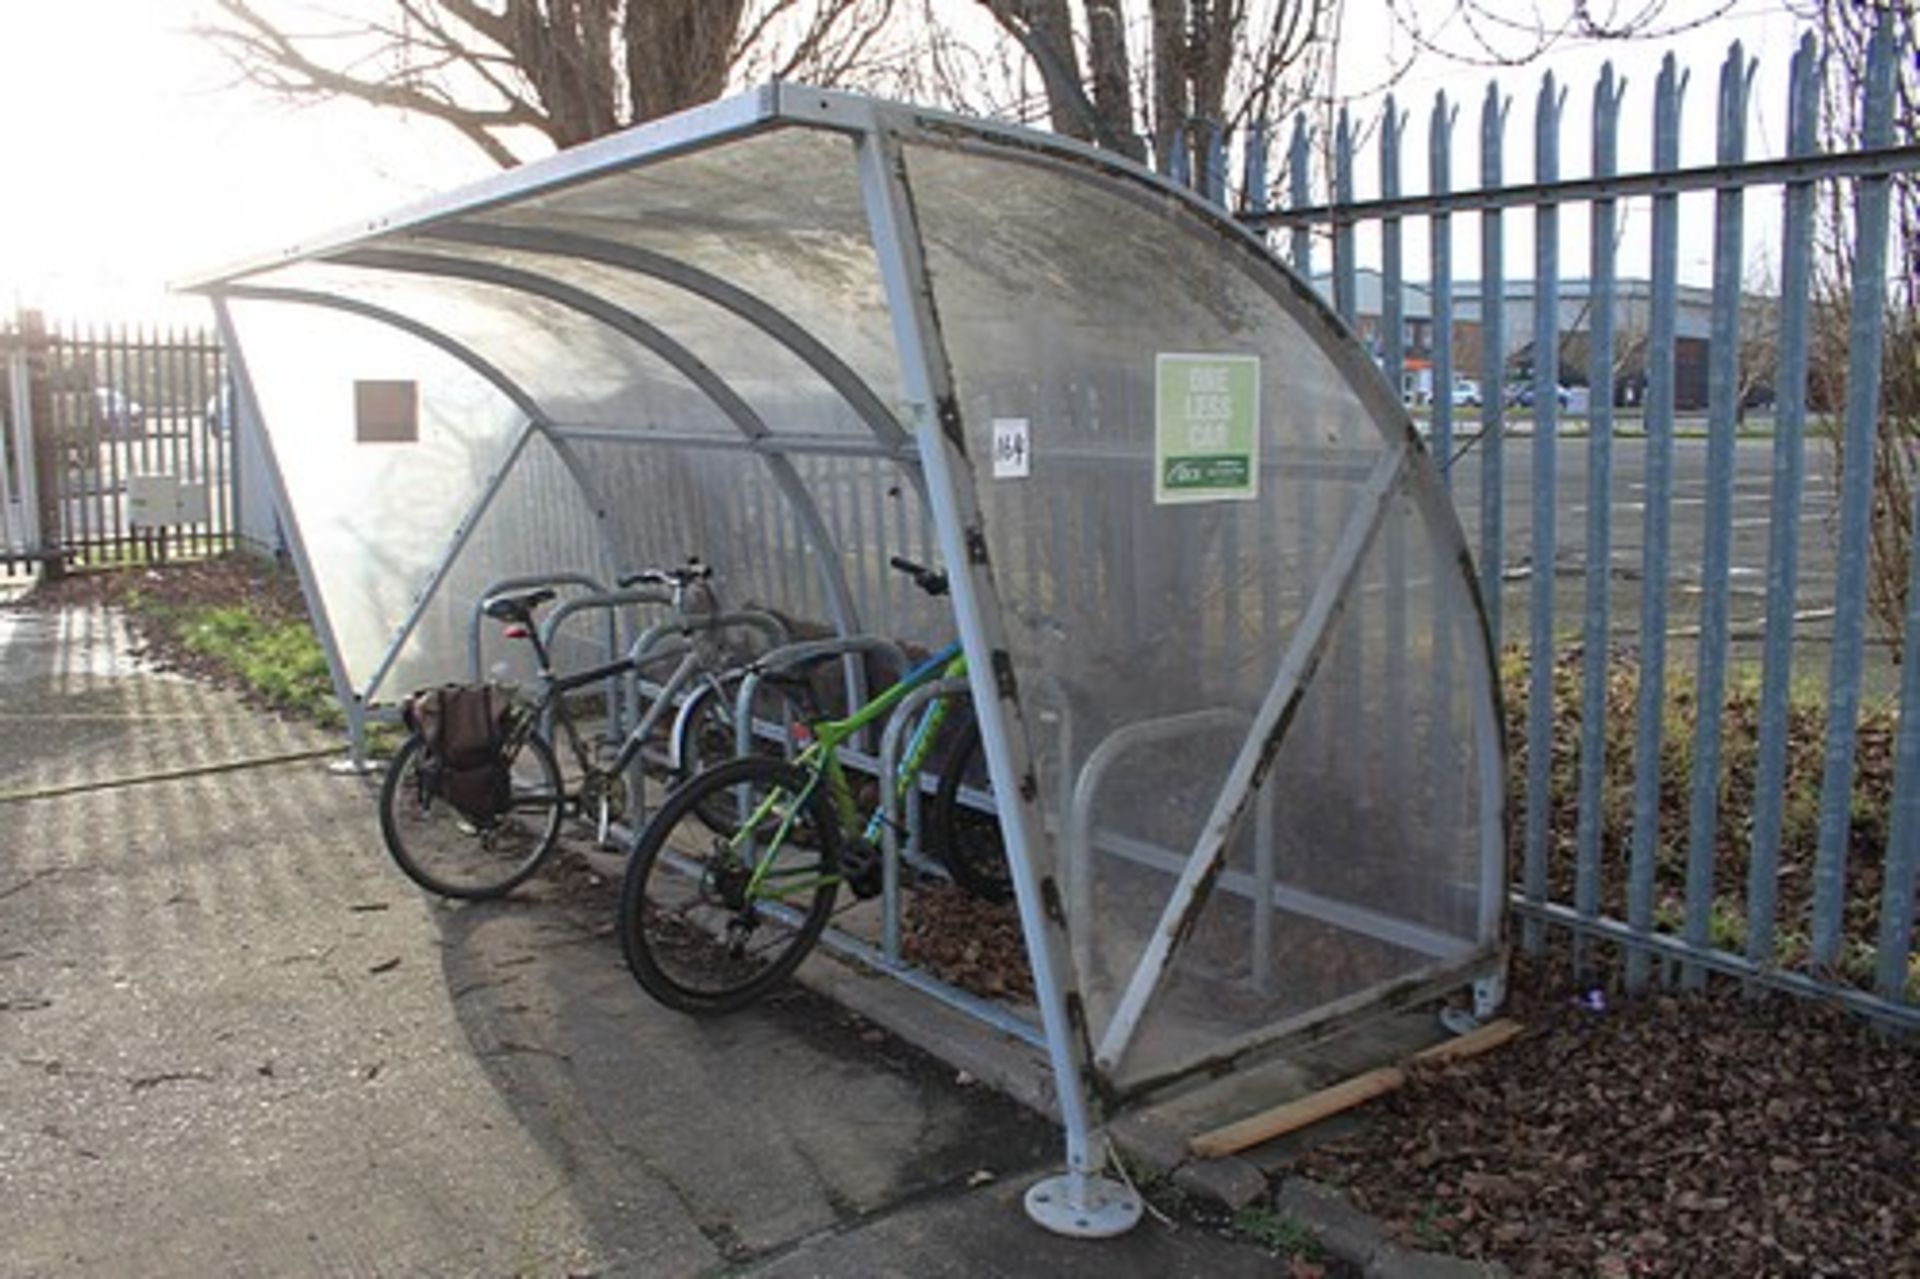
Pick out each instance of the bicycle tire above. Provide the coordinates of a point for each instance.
(691, 936)
(963, 839)
(449, 854)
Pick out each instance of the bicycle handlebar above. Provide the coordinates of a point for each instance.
(928, 580)
(694, 571)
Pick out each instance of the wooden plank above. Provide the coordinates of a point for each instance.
(1291, 1116)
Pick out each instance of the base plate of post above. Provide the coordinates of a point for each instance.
(1086, 1207)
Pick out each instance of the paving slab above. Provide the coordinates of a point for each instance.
(233, 1040)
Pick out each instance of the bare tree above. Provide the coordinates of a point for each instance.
(516, 76)
(1205, 63)
(1847, 28)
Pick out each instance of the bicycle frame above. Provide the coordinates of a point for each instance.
(666, 702)
(820, 758)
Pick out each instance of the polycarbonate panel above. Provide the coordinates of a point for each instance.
(574, 366)
(779, 215)
(536, 525)
(1146, 636)
(1370, 852)
(726, 507)
(375, 518)
(788, 393)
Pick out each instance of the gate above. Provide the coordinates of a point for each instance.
(118, 444)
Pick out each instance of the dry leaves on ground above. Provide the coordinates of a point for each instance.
(1703, 1135)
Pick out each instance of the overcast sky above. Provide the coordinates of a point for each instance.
(133, 160)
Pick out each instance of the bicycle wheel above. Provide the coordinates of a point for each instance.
(710, 921)
(964, 839)
(446, 852)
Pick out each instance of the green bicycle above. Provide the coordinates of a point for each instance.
(712, 919)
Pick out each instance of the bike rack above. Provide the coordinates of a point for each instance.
(890, 816)
(612, 601)
(1077, 846)
(804, 653)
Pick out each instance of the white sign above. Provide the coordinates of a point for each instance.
(1012, 452)
(155, 501)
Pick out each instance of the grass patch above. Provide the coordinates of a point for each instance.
(281, 661)
(1276, 1232)
(1869, 802)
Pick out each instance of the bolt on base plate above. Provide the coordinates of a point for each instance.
(1083, 1206)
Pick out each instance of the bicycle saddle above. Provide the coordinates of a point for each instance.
(516, 608)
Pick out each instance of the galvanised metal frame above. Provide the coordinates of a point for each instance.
(880, 133)
(928, 378)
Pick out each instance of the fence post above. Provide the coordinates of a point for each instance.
(1493, 366)
(1865, 333)
(1594, 657)
(1789, 483)
(1546, 408)
(1300, 194)
(49, 458)
(1345, 269)
(1440, 231)
(1723, 378)
(1650, 700)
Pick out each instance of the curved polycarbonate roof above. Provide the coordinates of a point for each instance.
(1208, 572)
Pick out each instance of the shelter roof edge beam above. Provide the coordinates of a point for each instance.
(782, 442)
(696, 129)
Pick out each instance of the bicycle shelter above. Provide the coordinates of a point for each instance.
(1231, 671)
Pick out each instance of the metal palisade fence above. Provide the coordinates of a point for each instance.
(1641, 818)
(118, 445)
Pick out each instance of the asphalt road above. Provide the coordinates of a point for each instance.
(1626, 488)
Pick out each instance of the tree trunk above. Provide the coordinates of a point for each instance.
(1170, 102)
(563, 48)
(678, 52)
(1112, 77)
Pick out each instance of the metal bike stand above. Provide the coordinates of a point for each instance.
(1076, 862)
(804, 653)
(612, 602)
(890, 741)
(687, 627)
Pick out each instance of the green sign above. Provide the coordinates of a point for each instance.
(1206, 436)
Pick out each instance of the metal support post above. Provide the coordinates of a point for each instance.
(1083, 1201)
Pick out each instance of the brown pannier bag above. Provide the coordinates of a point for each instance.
(463, 734)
